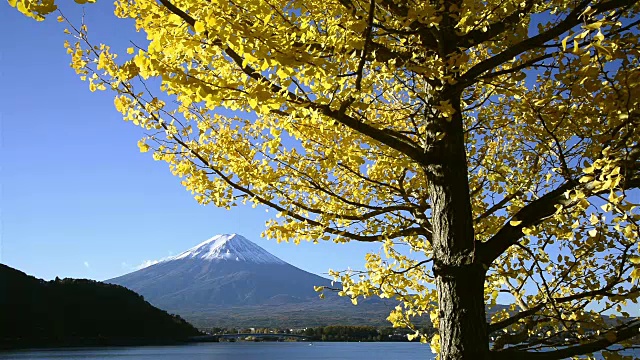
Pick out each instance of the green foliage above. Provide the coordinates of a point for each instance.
(79, 312)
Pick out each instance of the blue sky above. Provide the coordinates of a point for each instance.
(77, 197)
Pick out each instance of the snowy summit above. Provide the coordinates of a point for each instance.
(226, 270)
(229, 247)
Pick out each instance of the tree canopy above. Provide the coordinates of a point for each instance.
(78, 312)
(491, 147)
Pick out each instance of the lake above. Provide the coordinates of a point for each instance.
(238, 351)
(243, 351)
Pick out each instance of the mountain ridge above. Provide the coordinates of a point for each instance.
(225, 270)
(229, 247)
(79, 312)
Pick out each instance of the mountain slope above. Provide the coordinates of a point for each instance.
(226, 270)
(79, 312)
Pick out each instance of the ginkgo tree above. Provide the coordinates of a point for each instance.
(491, 147)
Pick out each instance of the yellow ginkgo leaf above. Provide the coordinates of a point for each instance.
(199, 27)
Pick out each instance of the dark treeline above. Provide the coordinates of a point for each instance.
(331, 333)
(359, 333)
(344, 333)
(71, 312)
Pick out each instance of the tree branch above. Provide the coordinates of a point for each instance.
(478, 36)
(498, 206)
(565, 25)
(382, 136)
(612, 337)
(538, 210)
(367, 45)
(531, 214)
(604, 291)
(387, 137)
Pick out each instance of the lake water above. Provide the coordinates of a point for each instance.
(238, 351)
(244, 351)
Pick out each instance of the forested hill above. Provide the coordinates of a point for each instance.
(72, 312)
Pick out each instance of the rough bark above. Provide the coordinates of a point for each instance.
(463, 329)
(459, 278)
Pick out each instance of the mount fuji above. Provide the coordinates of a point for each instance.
(226, 270)
(229, 280)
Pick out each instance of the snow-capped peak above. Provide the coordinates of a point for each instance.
(229, 247)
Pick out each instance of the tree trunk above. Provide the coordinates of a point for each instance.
(463, 327)
(459, 277)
